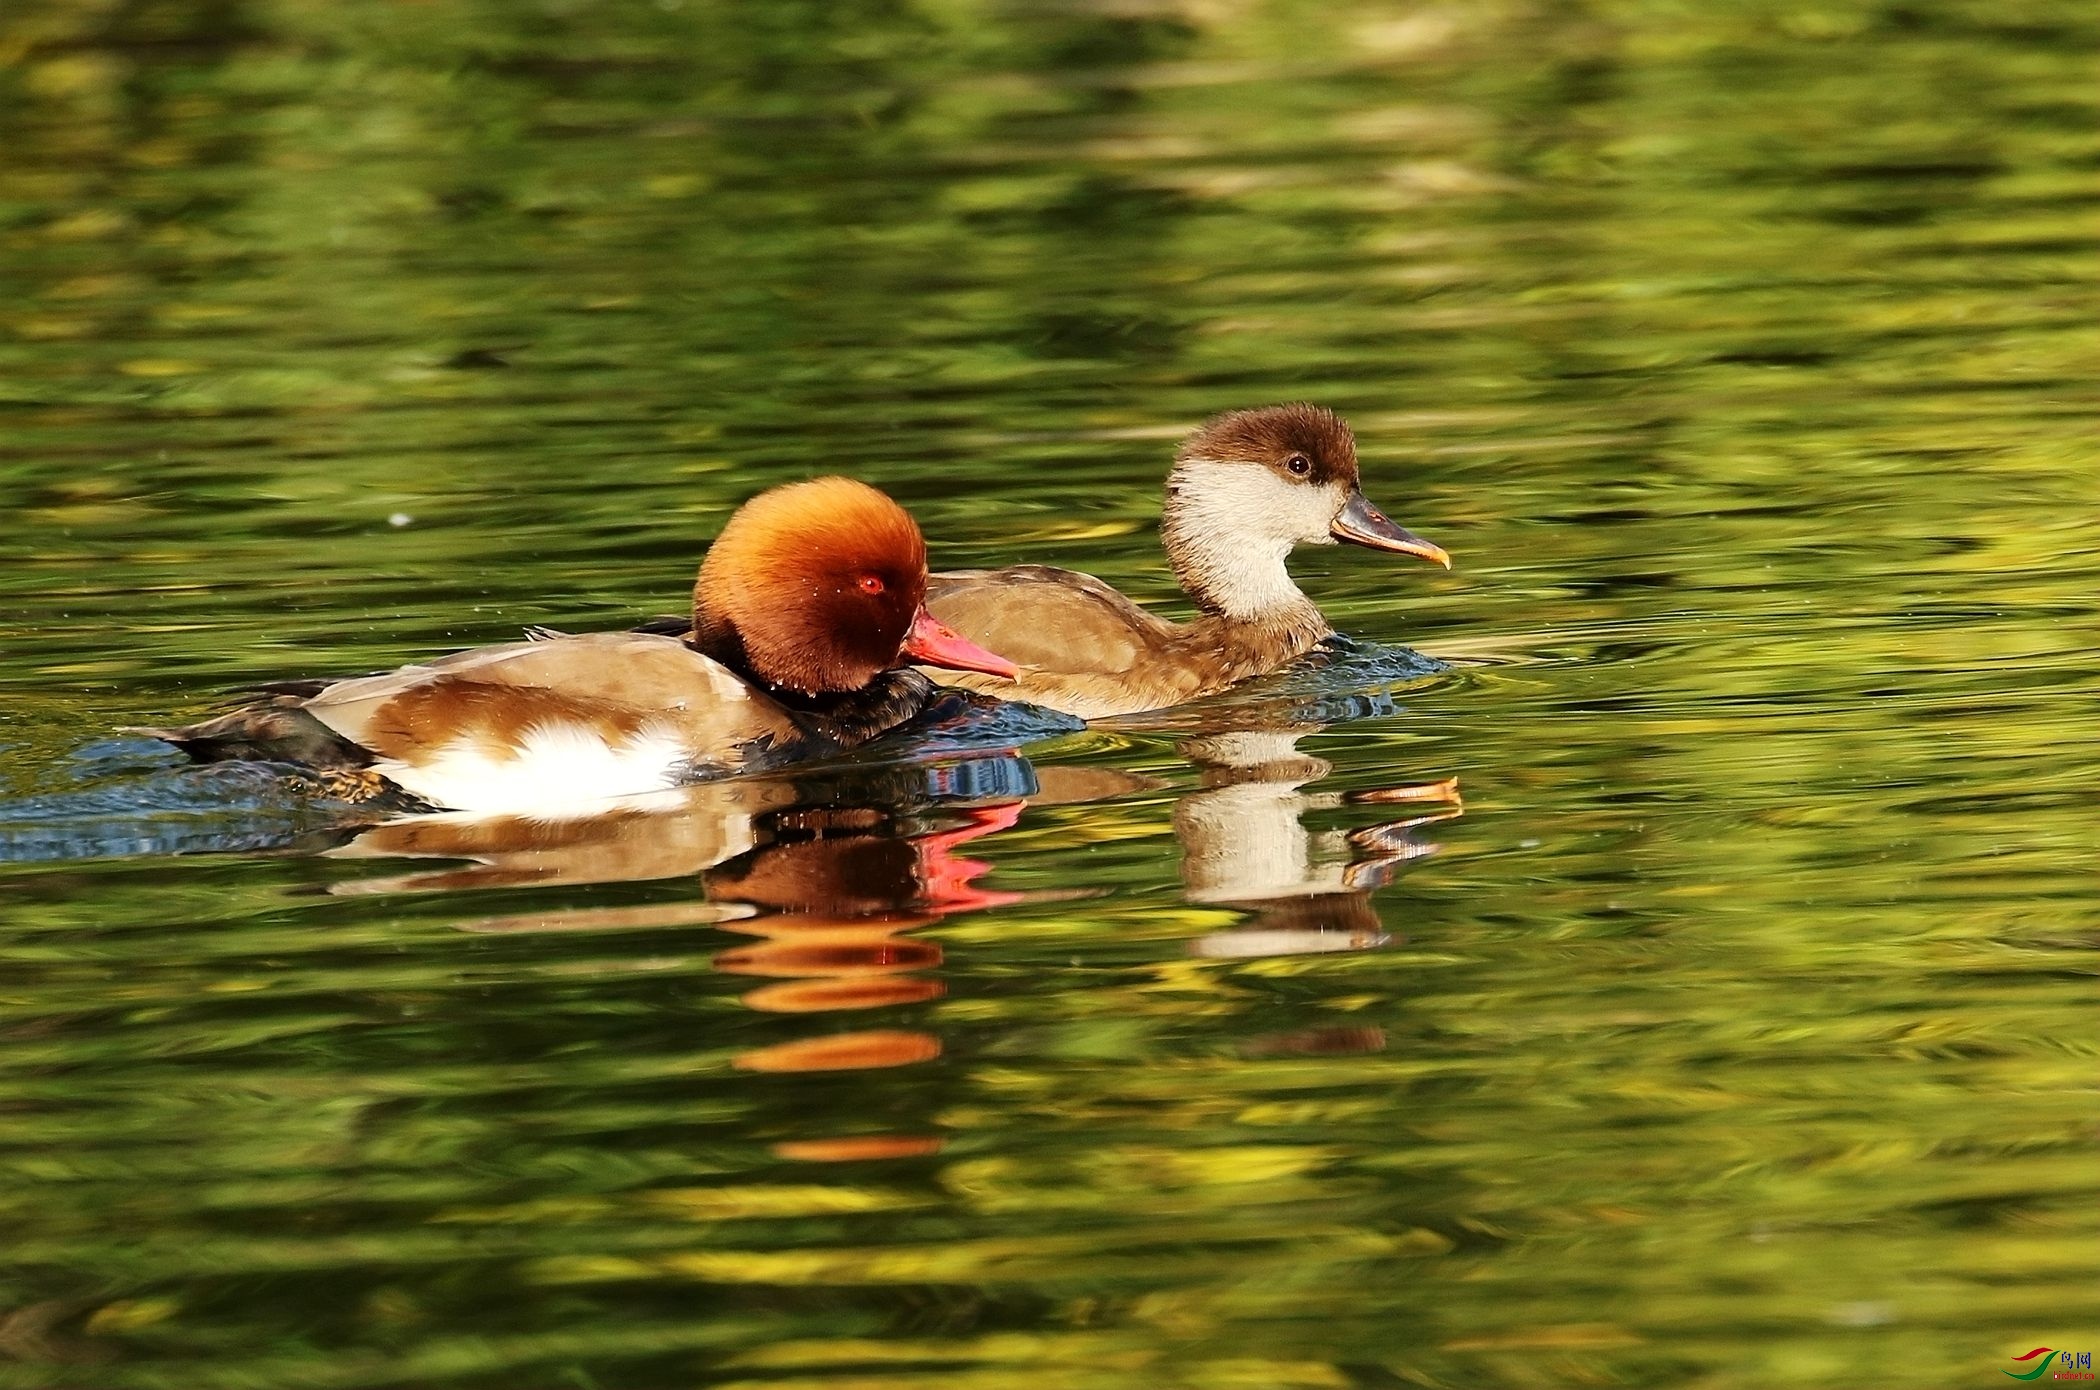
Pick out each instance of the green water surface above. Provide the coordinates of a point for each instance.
(1729, 1024)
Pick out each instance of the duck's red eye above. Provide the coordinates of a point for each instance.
(871, 583)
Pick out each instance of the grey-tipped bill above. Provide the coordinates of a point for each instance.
(1360, 523)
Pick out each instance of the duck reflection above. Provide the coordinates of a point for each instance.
(1245, 844)
(829, 883)
(827, 895)
(666, 835)
(711, 830)
(835, 935)
(828, 886)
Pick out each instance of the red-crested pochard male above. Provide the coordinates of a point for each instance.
(806, 605)
(1246, 487)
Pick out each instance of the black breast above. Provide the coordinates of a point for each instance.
(834, 723)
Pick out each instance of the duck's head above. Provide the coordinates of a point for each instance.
(1275, 477)
(818, 587)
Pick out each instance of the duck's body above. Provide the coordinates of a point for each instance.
(1085, 649)
(552, 722)
(807, 601)
(1246, 488)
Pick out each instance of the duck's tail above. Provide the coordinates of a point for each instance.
(277, 730)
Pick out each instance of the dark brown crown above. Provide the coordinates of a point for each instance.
(1272, 435)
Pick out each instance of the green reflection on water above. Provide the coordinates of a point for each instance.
(1739, 1033)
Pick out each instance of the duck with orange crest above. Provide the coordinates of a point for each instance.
(807, 606)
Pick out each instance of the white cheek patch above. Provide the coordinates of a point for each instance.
(552, 767)
(1246, 499)
(1233, 524)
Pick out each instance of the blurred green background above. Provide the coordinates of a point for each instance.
(1739, 1034)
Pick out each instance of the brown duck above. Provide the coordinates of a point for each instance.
(1245, 488)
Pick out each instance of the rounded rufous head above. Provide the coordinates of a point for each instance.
(812, 586)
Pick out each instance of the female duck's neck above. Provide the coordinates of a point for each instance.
(1232, 575)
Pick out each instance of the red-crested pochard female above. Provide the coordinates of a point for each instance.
(806, 603)
(1246, 487)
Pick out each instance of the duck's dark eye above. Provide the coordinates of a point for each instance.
(871, 583)
(1298, 464)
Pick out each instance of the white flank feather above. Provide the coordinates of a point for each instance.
(553, 767)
